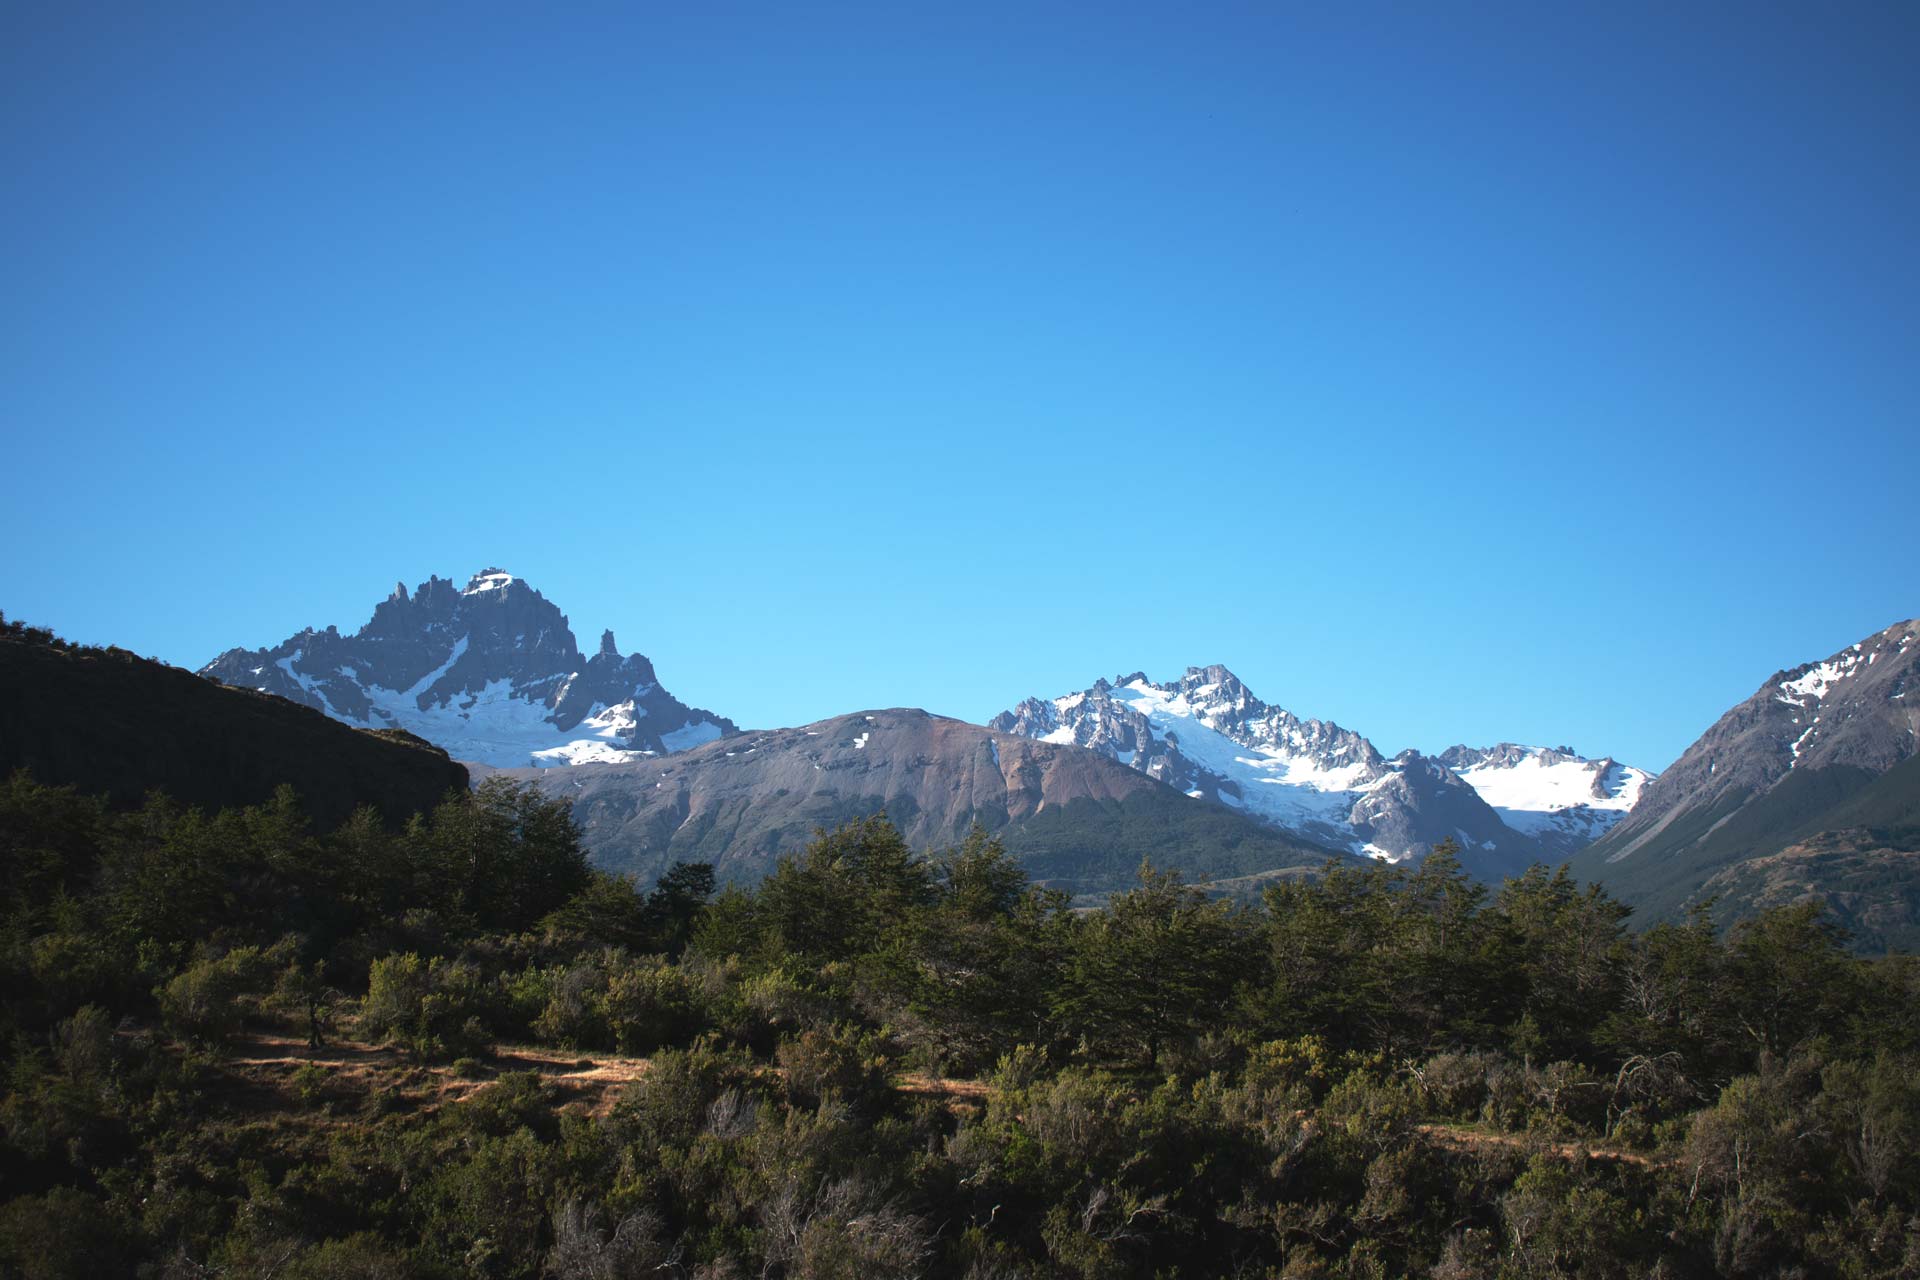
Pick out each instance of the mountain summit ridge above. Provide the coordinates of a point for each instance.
(1209, 735)
(492, 672)
(1809, 787)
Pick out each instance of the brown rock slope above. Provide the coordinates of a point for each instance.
(1072, 816)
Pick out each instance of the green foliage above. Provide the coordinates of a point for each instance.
(429, 1008)
(204, 1002)
(65, 1234)
(1379, 1072)
(506, 859)
(1158, 964)
(651, 1003)
(840, 1063)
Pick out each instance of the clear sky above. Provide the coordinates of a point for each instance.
(1457, 372)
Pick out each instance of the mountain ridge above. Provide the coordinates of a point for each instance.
(1209, 735)
(492, 672)
(1820, 748)
(1071, 816)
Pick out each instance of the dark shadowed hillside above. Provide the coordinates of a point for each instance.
(109, 722)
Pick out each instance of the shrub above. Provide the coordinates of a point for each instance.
(310, 1081)
(650, 1004)
(83, 1045)
(1567, 1095)
(575, 1014)
(582, 1247)
(358, 1257)
(668, 1105)
(839, 1063)
(429, 1009)
(203, 1002)
(61, 1234)
(1455, 1084)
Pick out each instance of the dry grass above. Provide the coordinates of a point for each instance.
(1455, 1137)
(591, 1082)
(962, 1097)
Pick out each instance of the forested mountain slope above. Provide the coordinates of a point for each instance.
(111, 723)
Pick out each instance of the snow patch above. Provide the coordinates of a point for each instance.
(1546, 791)
(1819, 680)
(494, 581)
(690, 735)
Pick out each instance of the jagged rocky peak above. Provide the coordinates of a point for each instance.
(1210, 735)
(494, 579)
(492, 672)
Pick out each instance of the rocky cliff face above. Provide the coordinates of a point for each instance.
(490, 671)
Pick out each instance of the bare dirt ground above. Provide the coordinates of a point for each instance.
(1464, 1138)
(593, 1081)
(962, 1097)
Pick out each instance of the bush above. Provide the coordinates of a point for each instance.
(575, 1013)
(358, 1257)
(1455, 1084)
(203, 1002)
(669, 1104)
(1567, 1096)
(840, 1063)
(428, 1009)
(650, 1004)
(310, 1081)
(64, 1233)
(83, 1045)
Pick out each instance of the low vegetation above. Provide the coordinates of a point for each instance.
(236, 1048)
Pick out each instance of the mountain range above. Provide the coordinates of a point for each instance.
(1075, 818)
(1207, 735)
(1809, 786)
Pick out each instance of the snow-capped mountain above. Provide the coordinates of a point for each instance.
(1559, 797)
(1207, 734)
(491, 672)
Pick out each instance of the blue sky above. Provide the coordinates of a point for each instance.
(1533, 373)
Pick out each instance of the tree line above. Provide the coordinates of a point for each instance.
(1373, 1071)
